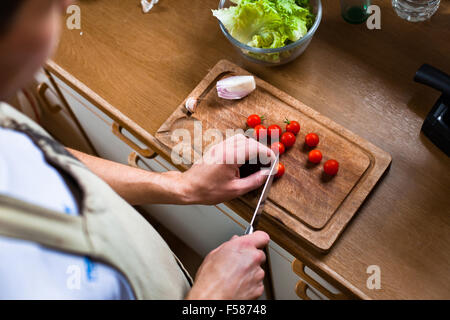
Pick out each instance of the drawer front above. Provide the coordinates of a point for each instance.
(287, 284)
(283, 278)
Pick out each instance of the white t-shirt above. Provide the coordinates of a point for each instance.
(29, 270)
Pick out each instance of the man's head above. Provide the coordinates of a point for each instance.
(29, 32)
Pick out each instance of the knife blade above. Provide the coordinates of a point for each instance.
(262, 199)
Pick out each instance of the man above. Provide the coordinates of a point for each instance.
(57, 217)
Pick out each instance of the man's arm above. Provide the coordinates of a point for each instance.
(210, 181)
(136, 186)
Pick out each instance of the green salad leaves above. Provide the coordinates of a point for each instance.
(267, 23)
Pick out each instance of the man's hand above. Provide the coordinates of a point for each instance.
(233, 270)
(215, 178)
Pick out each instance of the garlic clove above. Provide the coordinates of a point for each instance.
(191, 104)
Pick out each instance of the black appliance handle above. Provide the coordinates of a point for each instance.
(434, 78)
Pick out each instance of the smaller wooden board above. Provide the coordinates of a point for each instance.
(310, 205)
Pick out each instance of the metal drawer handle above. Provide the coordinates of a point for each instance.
(146, 153)
(41, 90)
(299, 268)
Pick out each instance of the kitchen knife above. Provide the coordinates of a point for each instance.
(262, 199)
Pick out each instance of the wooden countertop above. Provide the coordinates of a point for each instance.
(138, 68)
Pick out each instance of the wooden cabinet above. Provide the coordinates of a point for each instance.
(202, 228)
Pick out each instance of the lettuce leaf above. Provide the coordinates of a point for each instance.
(267, 23)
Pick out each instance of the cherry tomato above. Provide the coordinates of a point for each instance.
(254, 120)
(278, 148)
(260, 132)
(288, 139)
(292, 126)
(280, 170)
(315, 156)
(331, 167)
(312, 139)
(274, 131)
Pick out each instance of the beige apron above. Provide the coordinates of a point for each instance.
(108, 229)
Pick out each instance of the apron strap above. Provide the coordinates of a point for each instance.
(25, 221)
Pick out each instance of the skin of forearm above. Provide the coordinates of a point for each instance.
(135, 185)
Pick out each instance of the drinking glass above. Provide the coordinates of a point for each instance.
(415, 10)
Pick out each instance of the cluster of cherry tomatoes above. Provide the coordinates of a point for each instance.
(287, 140)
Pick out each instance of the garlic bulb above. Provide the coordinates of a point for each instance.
(191, 104)
(148, 5)
(236, 87)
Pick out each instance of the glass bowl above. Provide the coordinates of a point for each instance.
(277, 56)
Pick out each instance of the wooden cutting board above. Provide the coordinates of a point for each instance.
(310, 205)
